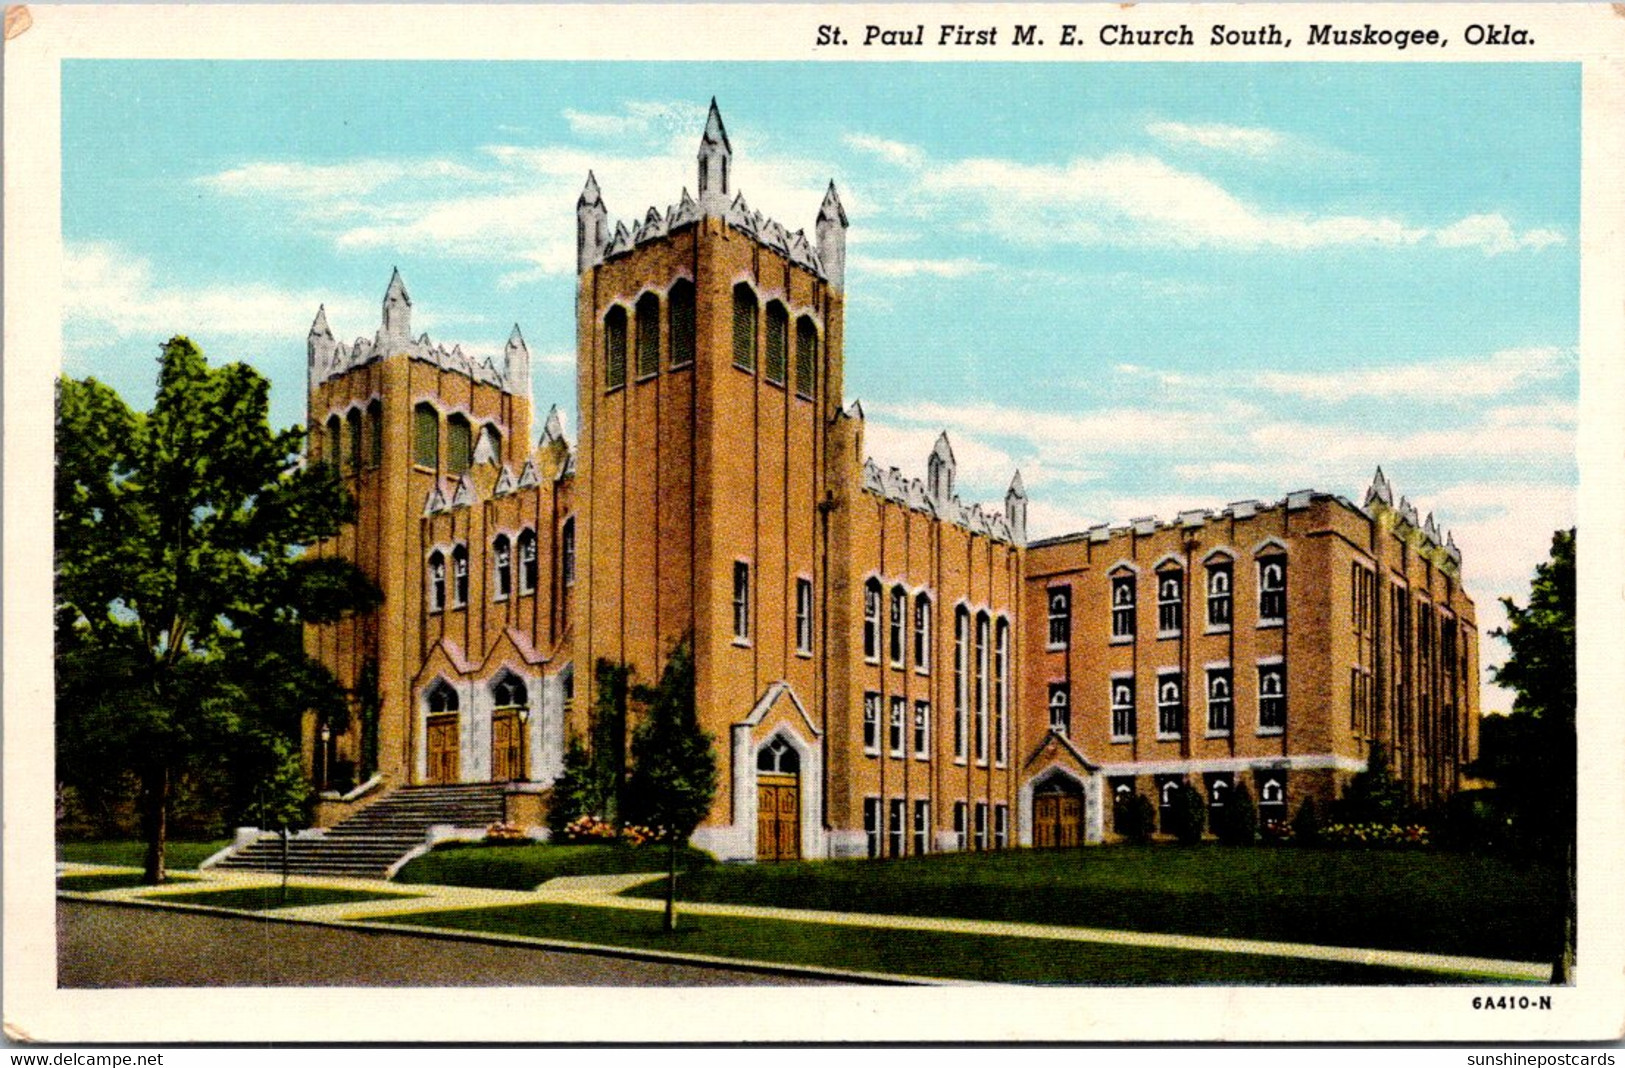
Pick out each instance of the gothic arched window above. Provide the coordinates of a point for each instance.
(680, 315)
(509, 691)
(502, 565)
(648, 324)
(459, 569)
(744, 327)
(442, 698)
(527, 561)
(425, 435)
(437, 581)
(777, 363)
(615, 348)
(806, 356)
(459, 444)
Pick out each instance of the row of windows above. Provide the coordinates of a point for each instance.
(971, 680)
(1170, 703)
(503, 551)
(354, 440)
(776, 360)
(897, 625)
(1171, 601)
(460, 439)
(1270, 788)
(742, 595)
(507, 691)
(894, 828)
(921, 727)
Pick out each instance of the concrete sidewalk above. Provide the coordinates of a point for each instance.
(602, 891)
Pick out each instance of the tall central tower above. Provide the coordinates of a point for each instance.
(709, 370)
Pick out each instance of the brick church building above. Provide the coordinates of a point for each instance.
(884, 668)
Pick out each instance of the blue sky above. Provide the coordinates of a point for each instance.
(1148, 286)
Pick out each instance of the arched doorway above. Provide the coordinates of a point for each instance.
(1058, 813)
(778, 801)
(444, 756)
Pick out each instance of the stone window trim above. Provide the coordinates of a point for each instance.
(459, 575)
(1123, 583)
(1265, 664)
(435, 573)
(1221, 699)
(1219, 587)
(897, 726)
(897, 613)
(924, 612)
(679, 298)
(1274, 572)
(524, 544)
(1123, 713)
(874, 597)
(616, 325)
(743, 593)
(501, 566)
(871, 724)
(922, 730)
(1058, 602)
(1176, 705)
(1170, 600)
(806, 617)
(644, 319)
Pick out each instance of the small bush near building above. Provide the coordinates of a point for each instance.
(1237, 822)
(1139, 819)
(1306, 824)
(1187, 817)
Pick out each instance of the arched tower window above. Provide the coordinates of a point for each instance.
(615, 348)
(442, 698)
(502, 565)
(527, 561)
(352, 440)
(332, 447)
(961, 667)
(871, 620)
(778, 343)
(425, 435)
(459, 444)
(437, 581)
(375, 434)
(648, 322)
(744, 327)
(898, 621)
(459, 571)
(922, 632)
(680, 310)
(509, 691)
(806, 356)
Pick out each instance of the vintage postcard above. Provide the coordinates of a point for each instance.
(1002, 513)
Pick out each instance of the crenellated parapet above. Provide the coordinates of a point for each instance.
(1403, 520)
(935, 496)
(598, 242)
(490, 479)
(328, 358)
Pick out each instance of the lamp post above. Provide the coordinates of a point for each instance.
(327, 756)
(524, 743)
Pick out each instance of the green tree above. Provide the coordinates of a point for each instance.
(181, 582)
(1539, 774)
(1238, 819)
(674, 773)
(613, 686)
(1373, 795)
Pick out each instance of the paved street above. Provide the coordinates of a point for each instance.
(118, 946)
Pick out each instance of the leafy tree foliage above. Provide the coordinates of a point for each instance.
(583, 788)
(1536, 770)
(1373, 795)
(613, 687)
(181, 583)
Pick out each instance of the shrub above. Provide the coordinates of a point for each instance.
(1238, 820)
(1275, 832)
(1187, 816)
(1376, 835)
(1139, 819)
(1306, 824)
(500, 833)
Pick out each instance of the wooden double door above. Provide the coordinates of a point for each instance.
(778, 817)
(507, 747)
(1057, 819)
(445, 745)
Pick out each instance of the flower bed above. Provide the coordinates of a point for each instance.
(1379, 835)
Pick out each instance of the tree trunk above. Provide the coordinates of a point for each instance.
(1563, 962)
(671, 884)
(154, 819)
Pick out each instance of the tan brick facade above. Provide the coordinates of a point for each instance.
(873, 656)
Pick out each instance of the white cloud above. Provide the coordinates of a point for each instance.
(1450, 381)
(1245, 140)
(1493, 235)
(893, 152)
(958, 267)
(639, 118)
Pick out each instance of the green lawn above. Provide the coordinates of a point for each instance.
(915, 953)
(120, 880)
(1432, 902)
(180, 856)
(510, 867)
(260, 898)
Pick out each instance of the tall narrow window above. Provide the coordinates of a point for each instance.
(1001, 826)
(806, 357)
(1060, 616)
(1272, 589)
(922, 633)
(871, 724)
(894, 827)
(776, 365)
(615, 348)
(741, 601)
(502, 566)
(352, 440)
(981, 687)
(680, 313)
(899, 609)
(1123, 708)
(922, 827)
(1218, 594)
(959, 825)
(527, 561)
(375, 434)
(804, 615)
(648, 335)
(871, 825)
(567, 552)
(871, 620)
(425, 436)
(744, 327)
(894, 736)
(1001, 690)
(961, 667)
(1170, 705)
(459, 444)
(437, 581)
(1060, 708)
(1170, 602)
(1271, 698)
(333, 447)
(922, 730)
(1219, 701)
(459, 570)
(1123, 607)
(981, 825)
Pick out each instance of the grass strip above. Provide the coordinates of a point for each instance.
(524, 867)
(931, 954)
(96, 882)
(1431, 902)
(263, 898)
(127, 853)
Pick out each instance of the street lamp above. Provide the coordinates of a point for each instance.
(327, 757)
(524, 738)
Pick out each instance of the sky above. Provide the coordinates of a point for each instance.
(1150, 287)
